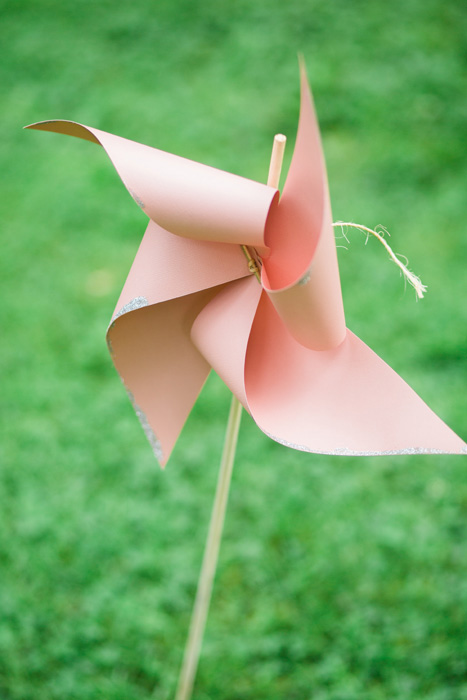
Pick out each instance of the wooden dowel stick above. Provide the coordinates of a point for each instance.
(274, 175)
(211, 552)
(208, 568)
(277, 157)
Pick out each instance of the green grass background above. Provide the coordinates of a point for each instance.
(338, 578)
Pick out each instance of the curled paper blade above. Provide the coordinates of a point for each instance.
(191, 304)
(301, 274)
(343, 401)
(186, 198)
(149, 335)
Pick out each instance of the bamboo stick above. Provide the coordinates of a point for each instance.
(211, 552)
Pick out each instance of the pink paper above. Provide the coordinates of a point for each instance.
(149, 335)
(187, 198)
(301, 274)
(190, 304)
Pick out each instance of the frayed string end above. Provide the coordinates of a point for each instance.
(411, 278)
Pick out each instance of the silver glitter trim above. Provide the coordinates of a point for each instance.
(109, 345)
(136, 303)
(137, 199)
(148, 431)
(305, 279)
(345, 452)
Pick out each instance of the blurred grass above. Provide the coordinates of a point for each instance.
(339, 578)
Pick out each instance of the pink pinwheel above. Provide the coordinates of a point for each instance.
(192, 303)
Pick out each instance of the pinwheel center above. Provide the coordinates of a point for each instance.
(253, 260)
